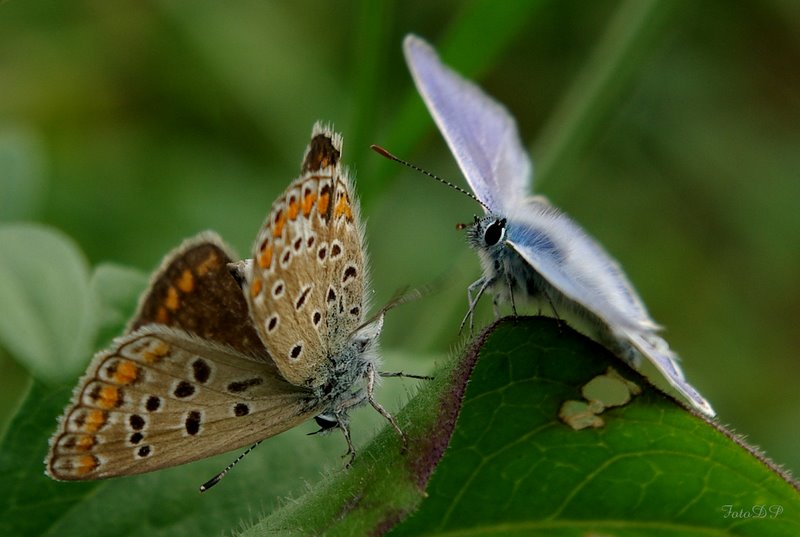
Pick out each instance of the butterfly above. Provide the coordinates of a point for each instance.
(223, 354)
(528, 249)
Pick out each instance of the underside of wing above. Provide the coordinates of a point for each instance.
(193, 290)
(575, 265)
(657, 352)
(306, 284)
(161, 397)
(480, 132)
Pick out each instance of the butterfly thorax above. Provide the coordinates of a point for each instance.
(344, 377)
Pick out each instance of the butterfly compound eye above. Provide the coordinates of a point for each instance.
(494, 232)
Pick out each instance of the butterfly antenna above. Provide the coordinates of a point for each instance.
(384, 153)
(217, 478)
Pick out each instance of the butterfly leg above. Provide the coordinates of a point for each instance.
(510, 293)
(481, 285)
(377, 406)
(553, 308)
(343, 423)
(387, 374)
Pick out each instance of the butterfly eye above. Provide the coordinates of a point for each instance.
(494, 232)
(326, 422)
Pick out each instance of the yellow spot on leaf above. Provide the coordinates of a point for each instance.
(579, 415)
(186, 281)
(603, 391)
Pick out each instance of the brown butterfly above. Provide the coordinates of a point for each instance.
(222, 355)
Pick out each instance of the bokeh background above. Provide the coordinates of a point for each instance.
(669, 130)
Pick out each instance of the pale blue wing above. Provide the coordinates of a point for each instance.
(573, 263)
(577, 267)
(657, 351)
(480, 132)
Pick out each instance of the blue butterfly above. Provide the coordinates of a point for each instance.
(529, 250)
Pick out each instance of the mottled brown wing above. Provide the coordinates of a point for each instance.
(160, 397)
(194, 291)
(305, 286)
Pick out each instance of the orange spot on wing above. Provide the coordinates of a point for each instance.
(324, 201)
(85, 442)
(126, 372)
(186, 281)
(162, 316)
(86, 464)
(109, 397)
(294, 209)
(156, 353)
(209, 264)
(308, 203)
(265, 259)
(94, 420)
(255, 288)
(343, 208)
(280, 221)
(173, 300)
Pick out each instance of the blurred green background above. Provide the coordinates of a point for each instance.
(669, 130)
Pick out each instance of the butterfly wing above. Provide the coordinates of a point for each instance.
(161, 397)
(193, 290)
(657, 351)
(480, 132)
(577, 267)
(305, 287)
(564, 255)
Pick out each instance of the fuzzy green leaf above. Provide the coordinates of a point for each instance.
(46, 323)
(115, 291)
(513, 466)
(652, 468)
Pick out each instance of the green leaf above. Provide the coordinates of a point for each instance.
(31, 502)
(654, 468)
(115, 291)
(515, 468)
(166, 502)
(46, 323)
